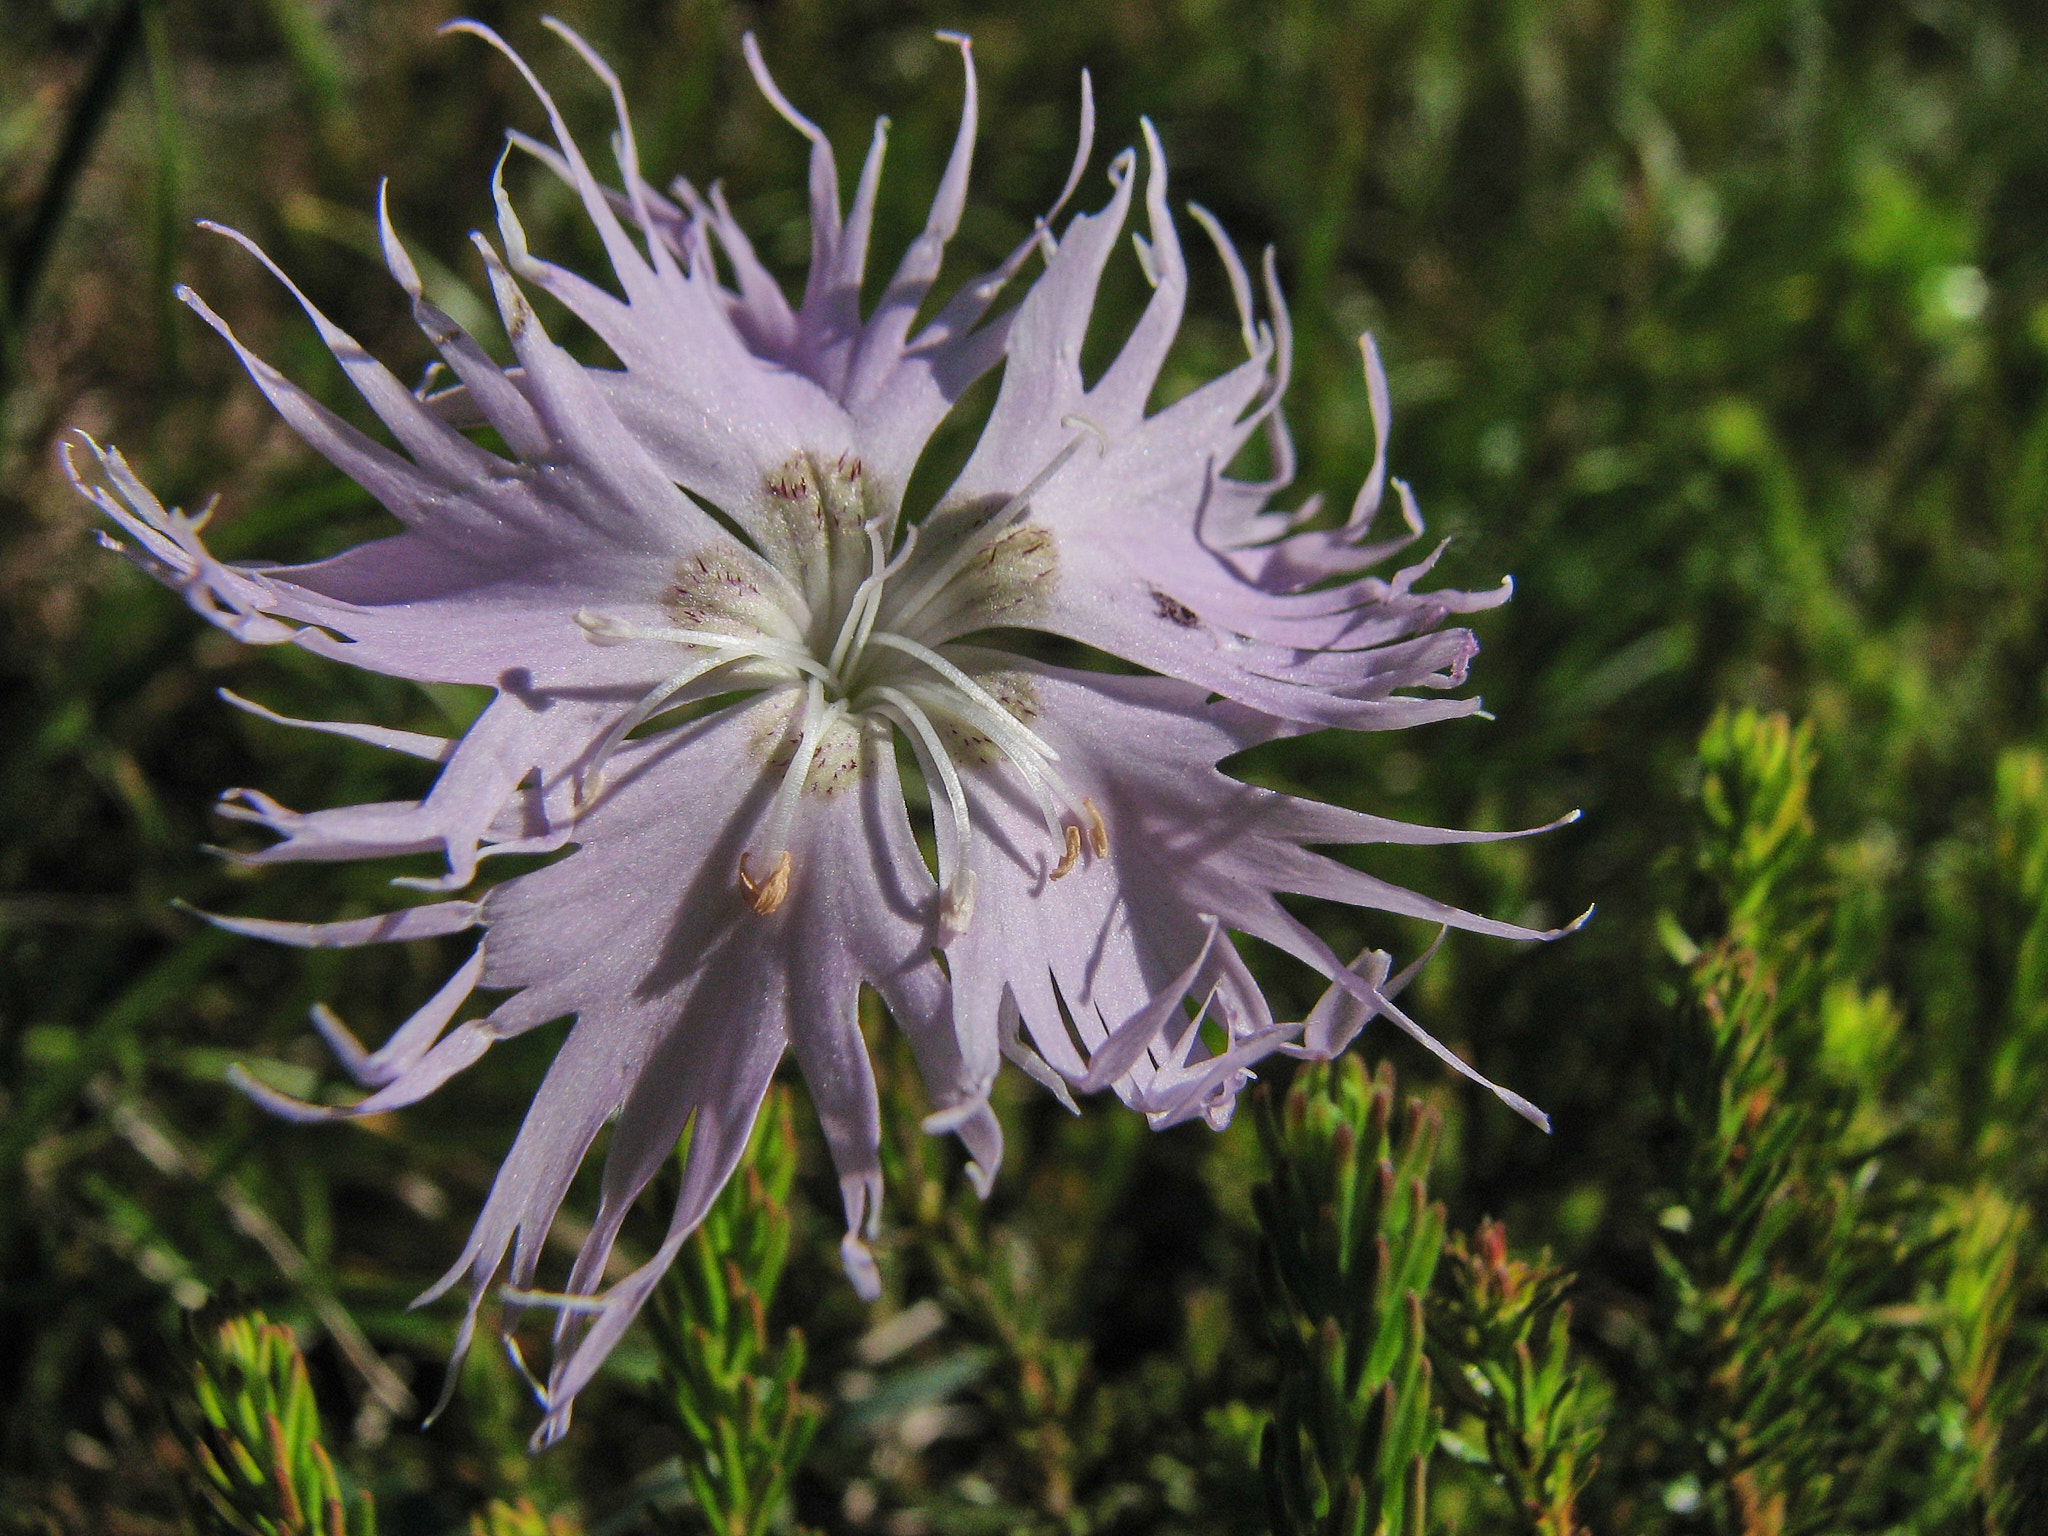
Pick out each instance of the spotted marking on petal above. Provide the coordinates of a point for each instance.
(1174, 611)
(717, 591)
(835, 765)
(1010, 582)
(971, 747)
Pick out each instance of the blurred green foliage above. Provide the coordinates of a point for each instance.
(1724, 328)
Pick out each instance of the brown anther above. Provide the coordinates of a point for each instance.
(1098, 833)
(1071, 857)
(764, 896)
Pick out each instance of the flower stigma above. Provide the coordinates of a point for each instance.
(828, 606)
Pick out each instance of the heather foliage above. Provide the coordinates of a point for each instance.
(261, 1468)
(1725, 329)
(1351, 1244)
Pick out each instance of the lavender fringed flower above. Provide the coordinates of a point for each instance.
(719, 519)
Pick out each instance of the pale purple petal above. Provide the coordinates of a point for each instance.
(708, 634)
(427, 922)
(435, 749)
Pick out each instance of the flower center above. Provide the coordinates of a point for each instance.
(856, 635)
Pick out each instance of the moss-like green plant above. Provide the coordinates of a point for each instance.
(1500, 1329)
(255, 1433)
(728, 1383)
(1351, 1243)
(1792, 1376)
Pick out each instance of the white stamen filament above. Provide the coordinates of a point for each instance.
(1012, 734)
(609, 629)
(933, 758)
(592, 778)
(1047, 788)
(818, 718)
(867, 597)
(874, 606)
(1041, 780)
(1029, 753)
(989, 531)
